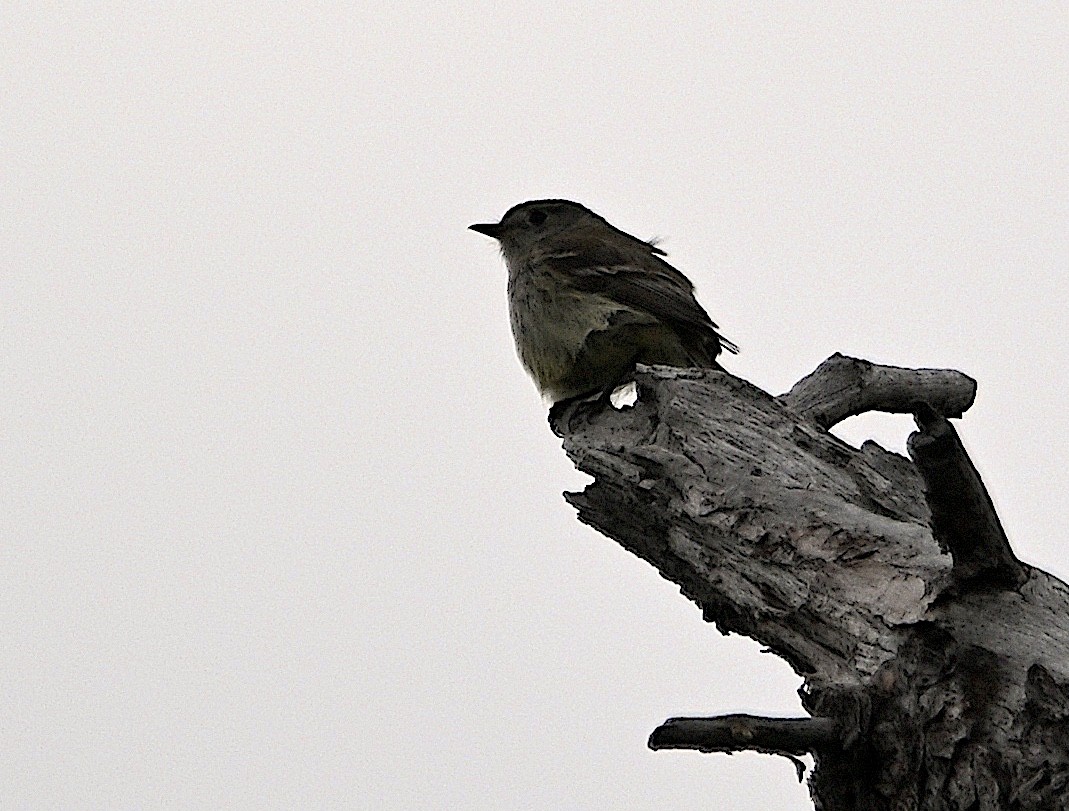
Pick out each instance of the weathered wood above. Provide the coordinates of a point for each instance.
(946, 698)
(842, 387)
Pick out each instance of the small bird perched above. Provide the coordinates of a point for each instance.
(588, 301)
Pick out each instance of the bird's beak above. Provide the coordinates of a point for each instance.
(491, 229)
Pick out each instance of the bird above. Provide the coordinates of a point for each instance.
(587, 301)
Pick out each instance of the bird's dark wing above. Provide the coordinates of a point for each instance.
(637, 279)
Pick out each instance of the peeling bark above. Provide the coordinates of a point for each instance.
(940, 660)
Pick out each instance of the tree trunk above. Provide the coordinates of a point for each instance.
(936, 665)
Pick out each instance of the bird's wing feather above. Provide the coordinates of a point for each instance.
(645, 283)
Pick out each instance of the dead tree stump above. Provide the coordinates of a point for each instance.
(936, 665)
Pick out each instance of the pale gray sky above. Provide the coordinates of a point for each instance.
(281, 522)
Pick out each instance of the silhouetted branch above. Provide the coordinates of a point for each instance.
(963, 517)
(787, 737)
(735, 733)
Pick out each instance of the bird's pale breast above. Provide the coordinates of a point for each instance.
(550, 324)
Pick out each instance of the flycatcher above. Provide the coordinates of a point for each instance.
(588, 301)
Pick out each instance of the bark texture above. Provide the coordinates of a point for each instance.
(939, 661)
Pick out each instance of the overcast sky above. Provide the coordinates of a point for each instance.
(281, 519)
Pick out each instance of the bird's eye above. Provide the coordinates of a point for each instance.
(536, 217)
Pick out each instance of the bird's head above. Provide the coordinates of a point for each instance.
(526, 224)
